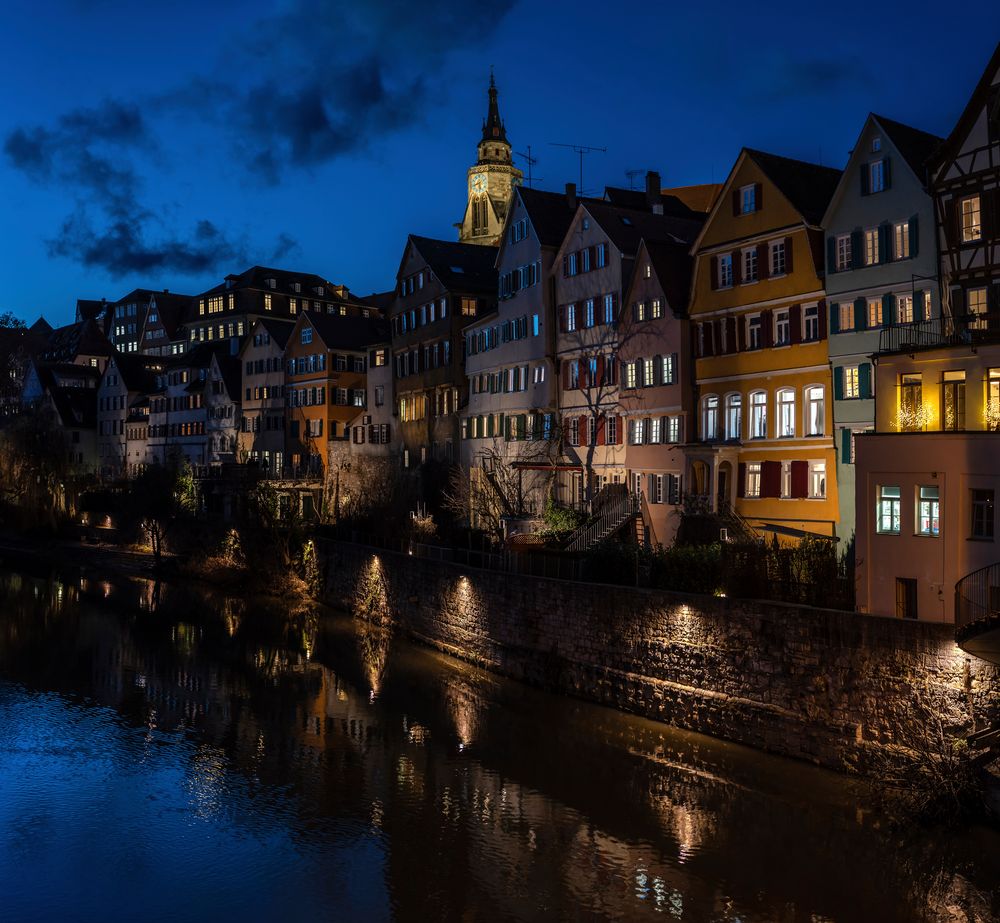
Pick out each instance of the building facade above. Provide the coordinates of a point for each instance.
(261, 438)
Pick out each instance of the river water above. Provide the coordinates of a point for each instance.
(166, 755)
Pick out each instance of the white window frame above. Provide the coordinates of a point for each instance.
(784, 404)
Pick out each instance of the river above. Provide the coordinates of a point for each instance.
(171, 755)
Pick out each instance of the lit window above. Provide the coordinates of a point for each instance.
(631, 374)
(781, 328)
(758, 415)
(570, 317)
(901, 241)
(753, 479)
(977, 307)
(887, 510)
(992, 409)
(753, 332)
(871, 246)
(726, 270)
(816, 410)
(953, 401)
(904, 309)
(874, 312)
(778, 258)
(817, 480)
(810, 320)
(588, 313)
(710, 418)
(656, 309)
(267, 301)
(876, 176)
(972, 225)
(673, 429)
(852, 383)
(734, 413)
(786, 412)
(667, 370)
(748, 199)
(928, 511)
(911, 407)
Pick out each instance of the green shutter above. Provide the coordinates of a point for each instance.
(845, 446)
(888, 309)
(918, 305)
(838, 383)
(860, 310)
(913, 237)
(835, 318)
(522, 426)
(865, 379)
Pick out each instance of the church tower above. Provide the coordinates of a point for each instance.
(491, 181)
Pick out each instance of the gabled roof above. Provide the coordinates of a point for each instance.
(672, 203)
(672, 265)
(77, 407)
(137, 372)
(807, 186)
(627, 227)
(350, 332)
(256, 277)
(83, 338)
(90, 308)
(550, 213)
(41, 326)
(916, 146)
(230, 368)
(200, 357)
(459, 267)
(279, 330)
(978, 99)
(381, 301)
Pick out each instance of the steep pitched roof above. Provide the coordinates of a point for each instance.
(673, 204)
(979, 98)
(348, 332)
(807, 186)
(460, 267)
(916, 146)
(75, 406)
(256, 276)
(627, 227)
(381, 301)
(672, 264)
(90, 308)
(83, 338)
(230, 368)
(279, 330)
(137, 372)
(550, 213)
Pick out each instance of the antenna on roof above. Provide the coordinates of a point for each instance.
(529, 160)
(581, 149)
(632, 174)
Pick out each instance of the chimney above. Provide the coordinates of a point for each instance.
(653, 189)
(571, 195)
(166, 291)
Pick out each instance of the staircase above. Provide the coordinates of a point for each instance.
(611, 511)
(739, 529)
(977, 613)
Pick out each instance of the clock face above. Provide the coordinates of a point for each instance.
(478, 182)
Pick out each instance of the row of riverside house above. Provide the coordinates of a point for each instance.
(799, 351)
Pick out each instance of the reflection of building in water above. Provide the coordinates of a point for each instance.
(374, 638)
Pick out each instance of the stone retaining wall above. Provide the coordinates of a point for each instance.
(817, 684)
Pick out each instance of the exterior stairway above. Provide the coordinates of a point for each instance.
(977, 613)
(614, 507)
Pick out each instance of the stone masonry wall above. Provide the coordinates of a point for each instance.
(817, 684)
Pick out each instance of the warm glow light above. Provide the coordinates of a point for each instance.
(911, 419)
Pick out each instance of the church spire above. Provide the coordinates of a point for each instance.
(493, 127)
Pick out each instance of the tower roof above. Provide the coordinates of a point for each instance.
(493, 127)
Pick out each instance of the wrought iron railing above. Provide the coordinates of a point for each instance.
(977, 601)
(612, 516)
(963, 330)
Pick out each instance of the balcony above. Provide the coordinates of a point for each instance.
(977, 613)
(937, 332)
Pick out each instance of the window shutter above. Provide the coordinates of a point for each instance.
(600, 430)
(737, 267)
(845, 446)
(707, 331)
(600, 372)
(619, 431)
(770, 477)
(887, 172)
(758, 196)
(800, 478)
(565, 374)
(857, 239)
(888, 309)
(860, 309)
(835, 318)
(562, 318)
(953, 222)
(658, 370)
(865, 380)
(914, 249)
(713, 264)
(741, 333)
(788, 255)
(566, 265)
(763, 264)
(593, 256)
(795, 323)
(864, 174)
(581, 430)
(884, 251)
(736, 202)
(767, 328)
(741, 480)
(831, 255)
(838, 383)
(918, 305)
(821, 319)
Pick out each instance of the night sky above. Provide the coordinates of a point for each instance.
(165, 145)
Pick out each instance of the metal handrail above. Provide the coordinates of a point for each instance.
(944, 330)
(613, 515)
(977, 596)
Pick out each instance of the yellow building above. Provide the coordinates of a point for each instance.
(764, 443)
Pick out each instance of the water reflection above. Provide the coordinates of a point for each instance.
(299, 765)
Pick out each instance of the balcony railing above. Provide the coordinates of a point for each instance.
(977, 612)
(963, 330)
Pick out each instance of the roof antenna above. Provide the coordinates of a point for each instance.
(580, 149)
(530, 161)
(632, 174)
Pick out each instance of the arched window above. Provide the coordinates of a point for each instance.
(815, 410)
(786, 412)
(710, 417)
(758, 415)
(734, 414)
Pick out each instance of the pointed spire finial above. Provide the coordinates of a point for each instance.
(493, 127)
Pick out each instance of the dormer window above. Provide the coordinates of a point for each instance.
(296, 287)
(271, 283)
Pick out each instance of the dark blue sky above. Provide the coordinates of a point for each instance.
(165, 145)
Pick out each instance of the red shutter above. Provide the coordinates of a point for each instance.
(741, 480)
(581, 430)
(758, 196)
(766, 328)
(800, 479)
(795, 323)
(770, 477)
(822, 319)
(788, 255)
(600, 372)
(565, 374)
(763, 267)
(736, 202)
(619, 431)
(713, 264)
(600, 430)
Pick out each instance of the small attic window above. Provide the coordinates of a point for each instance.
(626, 221)
(271, 283)
(586, 224)
(876, 144)
(296, 286)
(457, 269)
